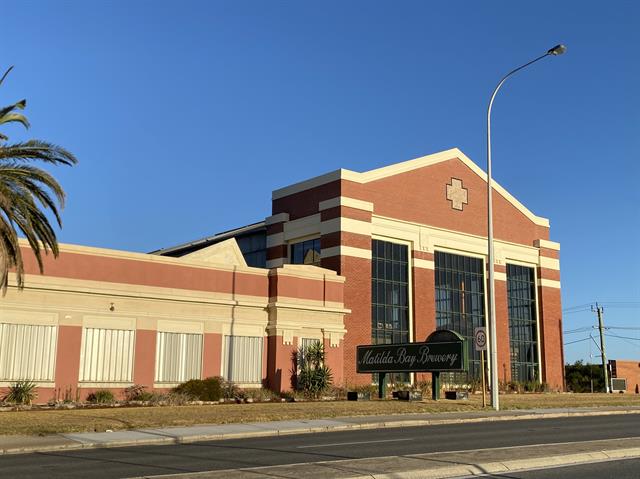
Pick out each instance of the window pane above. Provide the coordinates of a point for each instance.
(522, 323)
(460, 304)
(389, 273)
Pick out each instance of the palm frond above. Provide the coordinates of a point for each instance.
(34, 150)
(14, 118)
(5, 74)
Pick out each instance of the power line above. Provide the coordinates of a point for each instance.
(622, 337)
(577, 341)
(579, 330)
(625, 340)
(576, 307)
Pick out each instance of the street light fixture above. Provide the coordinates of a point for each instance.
(495, 403)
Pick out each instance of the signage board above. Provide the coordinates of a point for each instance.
(429, 356)
(480, 338)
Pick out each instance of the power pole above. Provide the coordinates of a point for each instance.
(599, 310)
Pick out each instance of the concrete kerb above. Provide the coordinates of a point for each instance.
(412, 466)
(501, 467)
(165, 436)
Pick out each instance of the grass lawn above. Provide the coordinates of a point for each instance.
(77, 420)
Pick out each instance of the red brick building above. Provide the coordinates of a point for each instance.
(629, 371)
(346, 258)
(410, 239)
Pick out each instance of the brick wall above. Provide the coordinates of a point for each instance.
(629, 370)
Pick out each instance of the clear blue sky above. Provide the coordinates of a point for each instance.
(171, 105)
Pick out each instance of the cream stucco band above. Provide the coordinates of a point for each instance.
(345, 201)
(541, 243)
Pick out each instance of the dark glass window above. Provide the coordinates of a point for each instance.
(523, 337)
(306, 252)
(460, 304)
(254, 249)
(390, 296)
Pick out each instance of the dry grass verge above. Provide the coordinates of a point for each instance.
(79, 420)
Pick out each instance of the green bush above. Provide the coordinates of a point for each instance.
(209, 389)
(101, 396)
(21, 392)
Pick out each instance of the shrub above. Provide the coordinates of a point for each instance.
(101, 396)
(21, 392)
(230, 390)
(175, 398)
(209, 389)
(137, 393)
(261, 394)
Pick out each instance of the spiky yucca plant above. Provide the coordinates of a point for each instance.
(21, 392)
(26, 192)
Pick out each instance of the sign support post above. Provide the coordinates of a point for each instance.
(480, 343)
(484, 396)
(382, 385)
(435, 385)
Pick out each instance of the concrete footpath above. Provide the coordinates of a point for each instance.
(177, 435)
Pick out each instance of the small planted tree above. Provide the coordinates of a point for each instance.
(314, 376)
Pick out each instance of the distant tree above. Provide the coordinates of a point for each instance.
(26, 193)
(579, 376)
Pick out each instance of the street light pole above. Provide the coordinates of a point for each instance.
(495, 402)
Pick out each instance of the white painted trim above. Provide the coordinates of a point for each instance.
(106, 384)
(540, 243)
(346, 225)
(345, 201)
(40, 384)
(549, 283)
(245, 330)
(275, 219)
(499, 276)
(403, 167)
(346, 251)
(461, 252)
(33, 318)
(109, 322)
(549, 263)
(190, 327)
(424, 263)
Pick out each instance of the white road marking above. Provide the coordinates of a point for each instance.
(353, 443)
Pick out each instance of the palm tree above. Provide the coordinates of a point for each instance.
(26, 192)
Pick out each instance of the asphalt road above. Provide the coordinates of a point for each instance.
(242, 453)
(625, 469)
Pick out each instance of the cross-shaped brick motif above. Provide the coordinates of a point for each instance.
(457, 194)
